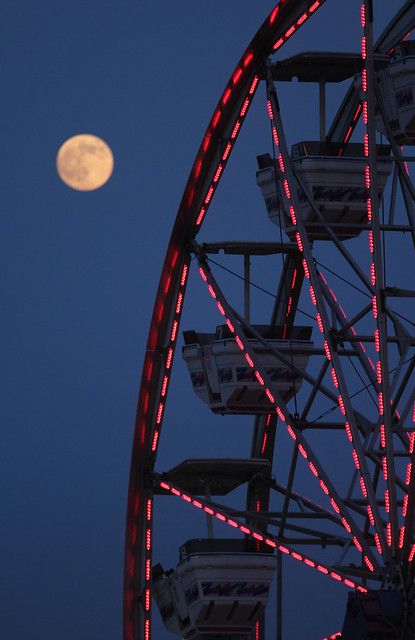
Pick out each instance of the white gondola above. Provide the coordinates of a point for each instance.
(217, 588)
(334, 180)
(222, 378)
(397, 88)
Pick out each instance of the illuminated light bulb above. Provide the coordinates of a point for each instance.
(244, 109)
(253, 85)
(278, 44)
(357, 544)
(235, 129)
(378, 545)
(363, 487)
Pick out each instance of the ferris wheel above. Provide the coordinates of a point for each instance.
(333, 371)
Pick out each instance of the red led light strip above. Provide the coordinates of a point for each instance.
(335, 636)
(281, 409)
(363, 486)
(160, 403)
(148, 559)
(372, 208)
(230, 141)
(317, 300)
(256, 534)
(289, 32)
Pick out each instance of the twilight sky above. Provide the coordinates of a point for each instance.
(79, 275)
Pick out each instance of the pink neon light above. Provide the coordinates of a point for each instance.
(206, 142)
(221, 309)
(164, 386)
(364, 48)
(320, 323)
(155, 441)
(232, 523)
(313, 296)
(230, 325)
(412, 553)
(291, 432)
(216, 118)
(387, 501)
(281, 163)
(334, 505)
(197, 504)
(280, 414)
(346, 525)
(248, 58)
(341, 404)
(348, 431)
(327, 349)
(378, 545)
(301, 19)
(237, 76)
(200, 216)
(278, 44)
(179, 303)
(370, 514)
(335, 576)
(259, 378)
(184, 275)
(209, 195)
(226, 95)
(218, 172)
(270, 111)
(357, 544)
(314, 6)
(363, 16)
(169, 358)
(275, 136)
(389, 534)
(159, 412)
(227, 151)
(212, 291)
(302, 451)
(274, 14)
(385, 468)
(148, 569)
(253, 85)
(363, 487)
(322, 569)
(174, 331)
(244, 108)
(313, 469)
(401, 537)
(324, 487)
(235, 129)
(149, 510)
(364, 87)
(355, 459)
(264, 443)
(249, 360)
(269, 395)
(408, 474)
(164, 485)
(220, 516)
(290, 31)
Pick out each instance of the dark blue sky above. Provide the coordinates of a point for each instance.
(80, 270)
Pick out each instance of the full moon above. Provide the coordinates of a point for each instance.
(85, 162)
